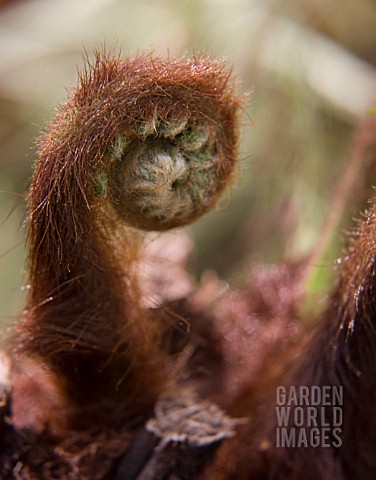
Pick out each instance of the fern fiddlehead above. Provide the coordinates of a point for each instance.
(142, 143)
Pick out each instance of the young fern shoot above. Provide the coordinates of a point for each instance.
(143, 143)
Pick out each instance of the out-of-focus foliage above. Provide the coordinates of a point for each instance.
(308, 68)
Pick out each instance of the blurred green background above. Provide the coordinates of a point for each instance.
(308, 67)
